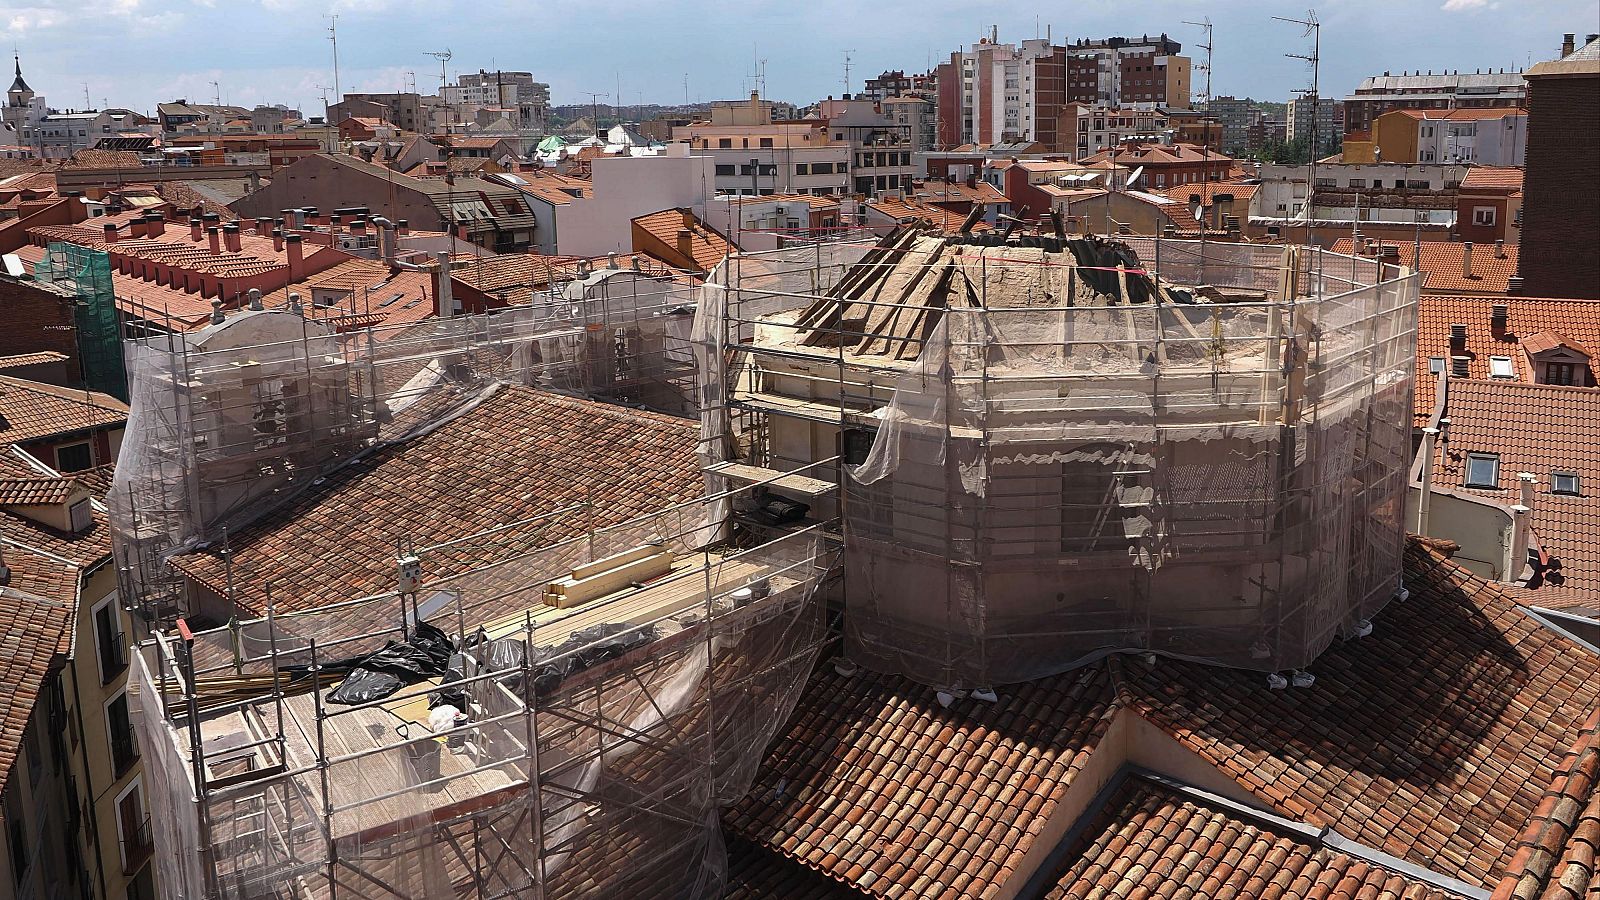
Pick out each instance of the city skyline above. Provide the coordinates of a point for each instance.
(662, 56)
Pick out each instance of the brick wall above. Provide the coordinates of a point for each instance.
(1561, 188)
(36, 320)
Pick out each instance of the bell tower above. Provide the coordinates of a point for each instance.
(19, 99)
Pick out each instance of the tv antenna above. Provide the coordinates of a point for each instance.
(216, 93)
(847, 70)
(594, 108)
(443, 56)
(1312, 29)
(333, 37)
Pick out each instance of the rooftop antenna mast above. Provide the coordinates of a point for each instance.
(443, 56)
(333, 37)
(1313, 30)
(216, 93)
(594, 108)
(412, 80)
(1205, 140)
(847, 71)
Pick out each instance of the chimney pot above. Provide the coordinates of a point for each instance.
(214, 238)
(230, 238)
(111, 233)
(1459, 366)
(1466, 260)
(686, 244)
(194, 230)
(296, 254)
(1500, 248)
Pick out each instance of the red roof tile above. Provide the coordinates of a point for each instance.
(519, 453)
(1493, 178)
(1150, 840)
(1442, 265)
(1539, 429)
(31, 410)
(1577, 320)
(707, 245)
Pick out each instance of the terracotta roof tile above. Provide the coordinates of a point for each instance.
(1149, 840)
(520, 452)
(1430, 740)
(37, 609)
(1493, 178)
(1207, 192)
(22, 360)
(34, 491)
(943, 219)
(31, 410)
(1442, 263)
(1539, 429)
(707, 245)
(877, 786)
(1576, 320)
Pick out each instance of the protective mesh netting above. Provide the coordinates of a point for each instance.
(604, 783)
(1052, 480)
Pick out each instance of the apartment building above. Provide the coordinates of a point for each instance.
(754, 155)
(1451, 89)
(1121, 71)
(1488, 137)
(1561, 214)
(920, 118)
(1322, 114)
(998, 92)
(880, 145)
(1091, 128)
(1235, 115)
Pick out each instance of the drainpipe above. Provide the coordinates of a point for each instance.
(1429, 436)
(1521, 525)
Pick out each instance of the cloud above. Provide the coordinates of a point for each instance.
(1467, 5)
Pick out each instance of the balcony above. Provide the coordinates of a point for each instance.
(136, 847)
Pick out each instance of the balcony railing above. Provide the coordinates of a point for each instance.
(136, 847)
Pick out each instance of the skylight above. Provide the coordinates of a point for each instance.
(1483, 470)
(1500, 367)
(1565, 483)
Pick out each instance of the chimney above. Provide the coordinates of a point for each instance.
(358, 227)
(214, 237)
(402, 228)
(194, 229)
(255, 298)
(290, 217)
(1466, 260)
(444, 296)
(230, 237)
(110, 233)
(1520, 526)
(277, 240)
(1498, 316)
(1567, 45)
(1459, 366)
(136, 227)
(155, 225)
(263, 226)
(686, 244)
(334, 222)
(297, 263)
(1500, 248)
(385, 239)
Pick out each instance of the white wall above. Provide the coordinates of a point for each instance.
(629, 186)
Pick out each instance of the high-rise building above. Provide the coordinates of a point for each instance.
(1560, 219)
(1325, 111)
(998, 92)
(1235, 115)
(1447, 90)
(1122, 71)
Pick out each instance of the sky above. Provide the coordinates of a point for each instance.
(135, 53)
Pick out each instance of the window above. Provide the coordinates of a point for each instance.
(133, 827)
(81, 516)
(109, 639)
(1415, 184)
(1358, 182)
(725, 170)
(1500, 367)
(766, 142)
(124, 750)
(802, 168)
(724, 143)
(74, 457)
(1483, 470)
(1562, 373)
(1483, 215)
(1564, 483)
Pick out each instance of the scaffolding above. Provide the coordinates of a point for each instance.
(232, 419)
(1056, 449)
(588, 750)
(86, 273)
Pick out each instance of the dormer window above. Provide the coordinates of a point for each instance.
(1565, 373)
(81, 516)
(1566, 483)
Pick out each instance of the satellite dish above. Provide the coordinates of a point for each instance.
(1132, 178)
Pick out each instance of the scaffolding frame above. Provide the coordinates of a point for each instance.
(1051, 480)
(609, 781)
(87, 274)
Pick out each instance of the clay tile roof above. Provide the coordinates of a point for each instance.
(31, 410)
(1208, 191)
(876, 786)
(1556, 857)
(1431, 740)
(103, 159)
(1151, 840)
(34, 491)
(1442, 265)
(23, 360)
(1539, 342)
(37, 608)
(1575, 320)
(519, 452)
(1498, 177)
(707, 245)
(947, 221)
(1539, 429)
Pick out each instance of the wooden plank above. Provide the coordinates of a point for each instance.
(614, 560)
(581, 590)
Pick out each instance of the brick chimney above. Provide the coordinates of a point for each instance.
(686, 245)
(136, 227)
(110, 233)
(194, 229)
(297, 262)
(358, 227)
(263, 226)
(402, 228)
(1466, 260)
(155, 225)
(230, 237)
(1567, 45)
(277, 240)
(214, 238)
(1500, 248)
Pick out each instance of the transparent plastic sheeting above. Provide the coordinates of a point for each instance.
(608, 785)
(1214, 482)
(227, 421)
(1219, 481)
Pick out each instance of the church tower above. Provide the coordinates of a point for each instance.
(19, 99)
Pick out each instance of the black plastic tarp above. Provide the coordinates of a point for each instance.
(381, 673)
(583, 649)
